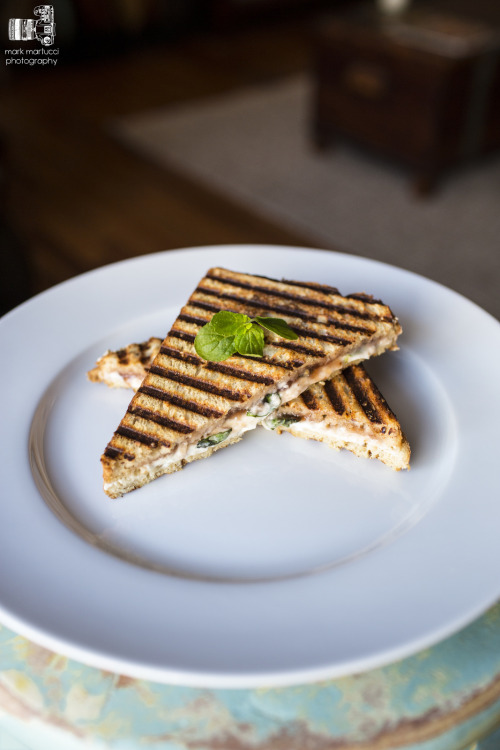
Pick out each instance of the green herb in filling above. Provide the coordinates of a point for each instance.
(213, 439)
(285, 421)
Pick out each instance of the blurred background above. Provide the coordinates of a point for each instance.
(341, 124)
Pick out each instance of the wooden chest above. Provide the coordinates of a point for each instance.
(421, 87)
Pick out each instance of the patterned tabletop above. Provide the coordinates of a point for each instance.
(444, 698)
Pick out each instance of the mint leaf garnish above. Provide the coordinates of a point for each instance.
(227, 323)
(229, 333)
(213, 346)
(278, 326)
(250, 341)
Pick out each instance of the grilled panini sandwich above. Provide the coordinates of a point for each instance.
(186, 408)
(347, 411)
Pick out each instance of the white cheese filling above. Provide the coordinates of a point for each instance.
(117, 380)
(322, 431)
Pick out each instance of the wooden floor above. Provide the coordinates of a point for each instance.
(76, 199)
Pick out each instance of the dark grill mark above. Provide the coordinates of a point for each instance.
(362, 297)
(122, 355)
(152, 416)
(349, 327)
(289, 296)
(175, 334)
(362, 396)
(200, 385)
(191, 319)
(334, 397)
(205, 305)
(323, 288)
(204, 411)
(269, 361)
(299, 348)
(307, 333)
(309, 400)
(113, 452)
(145, 353)
(139, 437)
(235, 373)
(378, 395)
(292, 311)
(169, 351)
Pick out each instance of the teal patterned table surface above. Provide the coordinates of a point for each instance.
(444, 698)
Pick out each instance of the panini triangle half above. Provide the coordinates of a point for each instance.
(186, 408)
(348, 411)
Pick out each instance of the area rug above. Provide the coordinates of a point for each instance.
(254, 146)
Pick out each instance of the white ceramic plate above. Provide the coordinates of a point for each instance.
(276, 561)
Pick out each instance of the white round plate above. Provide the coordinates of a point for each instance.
(277, 561)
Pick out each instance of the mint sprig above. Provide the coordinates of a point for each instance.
(230, 333)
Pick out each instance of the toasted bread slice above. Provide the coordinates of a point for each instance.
(186, 407)
(125, 368)
(348, 411)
